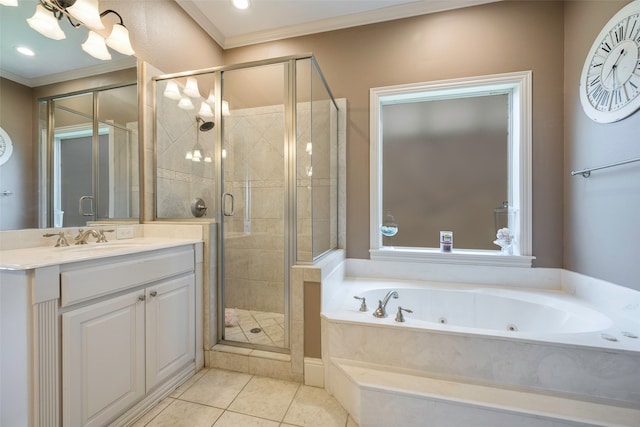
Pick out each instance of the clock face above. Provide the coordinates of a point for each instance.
(610, 82)
(6, 148)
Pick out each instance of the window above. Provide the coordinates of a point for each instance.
(452, 155)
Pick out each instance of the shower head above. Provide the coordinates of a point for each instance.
(205, 126)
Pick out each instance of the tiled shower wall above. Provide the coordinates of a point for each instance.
(180, 181)
(254, 173)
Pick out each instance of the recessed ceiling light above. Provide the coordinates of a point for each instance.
(241, 4)
(25, 51)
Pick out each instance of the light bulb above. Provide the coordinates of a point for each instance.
(208, 159)
(185, 103)
(205, 110)
(46, 24)
(96, 47)
(189, 155)
(172, 91)
(211, 99)
(191, 89)
(119, 40)
(86, 11)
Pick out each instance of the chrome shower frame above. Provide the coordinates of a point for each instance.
(290, 231)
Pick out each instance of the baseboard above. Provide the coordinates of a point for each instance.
(313, 372)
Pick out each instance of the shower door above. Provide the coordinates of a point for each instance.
(253, 213)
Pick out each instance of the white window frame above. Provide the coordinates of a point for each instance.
(518, 86)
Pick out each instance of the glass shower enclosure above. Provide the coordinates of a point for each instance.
(270, 182)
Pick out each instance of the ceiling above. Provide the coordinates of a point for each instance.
(265, 20)
(268, 20)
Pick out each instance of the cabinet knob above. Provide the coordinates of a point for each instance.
(153, 293)
(141, 298)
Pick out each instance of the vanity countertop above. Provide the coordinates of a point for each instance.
(43, 256)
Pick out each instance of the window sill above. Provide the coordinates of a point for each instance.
(458, 256)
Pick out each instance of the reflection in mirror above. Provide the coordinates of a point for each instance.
(452, 156)
(94, 157)
(58, 67)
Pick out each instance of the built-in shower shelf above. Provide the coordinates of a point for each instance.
(376, 395)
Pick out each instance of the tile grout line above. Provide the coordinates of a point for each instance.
(290, 403)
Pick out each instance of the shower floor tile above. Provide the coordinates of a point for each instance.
(271, 327)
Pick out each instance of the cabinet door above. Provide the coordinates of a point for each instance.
(103, 360)
(170, 315)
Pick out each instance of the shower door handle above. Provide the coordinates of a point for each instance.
(225, 211)
(81, 205)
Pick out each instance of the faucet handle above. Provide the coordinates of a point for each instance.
(400, 316)
(101, 237)
(62, 238)
(363, 303)
(380, 311)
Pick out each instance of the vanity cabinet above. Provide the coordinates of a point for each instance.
(117, 350)
(128, 326)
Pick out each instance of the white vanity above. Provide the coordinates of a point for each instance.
(95, 334)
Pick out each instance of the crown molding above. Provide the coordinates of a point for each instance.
(107, 67)
(390, 13)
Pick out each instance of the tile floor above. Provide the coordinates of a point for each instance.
(219, 398)
(243, 321)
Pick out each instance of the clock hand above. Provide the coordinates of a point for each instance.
(615, 64)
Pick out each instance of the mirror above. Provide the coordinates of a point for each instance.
(60, 67)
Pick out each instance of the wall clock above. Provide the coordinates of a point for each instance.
(6, 147)
(610, 81)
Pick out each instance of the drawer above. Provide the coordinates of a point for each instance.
(95, 281)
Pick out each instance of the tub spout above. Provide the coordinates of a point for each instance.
(381, 311)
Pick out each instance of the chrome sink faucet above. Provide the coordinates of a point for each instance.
(83, 235)
(381, 311)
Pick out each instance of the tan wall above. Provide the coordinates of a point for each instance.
(494, 38)
(164, 35)
(601, 223)
(17, 210)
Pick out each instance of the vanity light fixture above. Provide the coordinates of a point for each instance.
(191, 89)
(205, 110)
(240, 4)
(185, 103)
(211, 99)
(172, 91)
(225, 108)
(96, 47)
(46, 24)
(79, 12)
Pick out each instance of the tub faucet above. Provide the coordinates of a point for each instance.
(381, 311)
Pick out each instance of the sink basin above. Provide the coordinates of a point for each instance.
(99, 247)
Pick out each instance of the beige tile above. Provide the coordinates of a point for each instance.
(351, 422)
(178, 391)
(232, 419)
(230, 361)
(151, 414)
(216, 388)
(265, 398)
(186, 414)
(314, 407)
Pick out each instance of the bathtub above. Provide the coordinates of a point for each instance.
(545, 342)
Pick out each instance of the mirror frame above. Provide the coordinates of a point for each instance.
(520, 171)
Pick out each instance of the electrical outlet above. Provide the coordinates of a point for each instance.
(124, 233)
